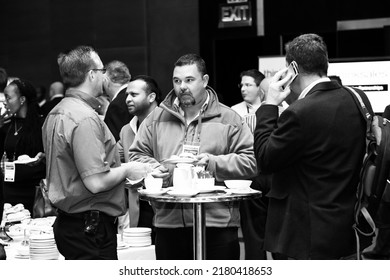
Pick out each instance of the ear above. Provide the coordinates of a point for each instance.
(205, 80)
(90, 75)
(22, 99)
(152, 97)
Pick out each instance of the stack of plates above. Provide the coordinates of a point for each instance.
(43, 247)
(137, 237)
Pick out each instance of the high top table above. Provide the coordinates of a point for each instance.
(198, 202)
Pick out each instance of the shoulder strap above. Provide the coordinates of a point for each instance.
(363, 110)
(359, 208)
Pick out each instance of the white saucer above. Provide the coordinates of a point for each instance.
(241, 191)
(180, 160)
(207, 189)
(183, 193)
(30, 160)
(133, 182)
(144, 191)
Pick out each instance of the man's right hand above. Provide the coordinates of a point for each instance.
(276, 94)
(162, 172)
(137, 170)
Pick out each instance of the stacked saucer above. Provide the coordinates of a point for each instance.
(137, 237)
(43, 247)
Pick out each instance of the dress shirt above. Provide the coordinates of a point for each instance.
(77, 145)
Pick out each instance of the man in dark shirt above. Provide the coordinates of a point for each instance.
(115, 85)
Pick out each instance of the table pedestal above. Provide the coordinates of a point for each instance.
(198, 202)
(199, 236)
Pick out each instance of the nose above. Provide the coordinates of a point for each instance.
(182, 85)
(129, 99)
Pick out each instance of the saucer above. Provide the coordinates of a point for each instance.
(208, 189)
(176, 160)
(241, 191)
(183, 193)
(149, 192)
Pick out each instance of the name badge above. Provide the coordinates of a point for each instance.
(9, 173)
(193, 149)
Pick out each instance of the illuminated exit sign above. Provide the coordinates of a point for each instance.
(235, 13)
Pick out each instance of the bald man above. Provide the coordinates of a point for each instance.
(56, 93)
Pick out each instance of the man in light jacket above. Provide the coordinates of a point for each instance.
(192, 115)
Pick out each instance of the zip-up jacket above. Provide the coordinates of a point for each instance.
(223, 135)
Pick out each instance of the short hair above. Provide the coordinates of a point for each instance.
(151, 86)
(3, 79)
(255, 74)
(189, 59)
(118, 72)
(75, 64)
(310, 53)
(336, 78)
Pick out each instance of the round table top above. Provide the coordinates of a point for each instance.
(216, 196)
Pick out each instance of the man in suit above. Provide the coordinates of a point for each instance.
(117, 115)
(314, 150)
(56, 93)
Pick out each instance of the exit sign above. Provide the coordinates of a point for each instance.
(235, 14)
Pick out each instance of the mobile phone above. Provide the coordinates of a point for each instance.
(293, 69)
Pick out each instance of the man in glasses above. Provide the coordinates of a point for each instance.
(84, 175)
(252, 94)
(254, 211)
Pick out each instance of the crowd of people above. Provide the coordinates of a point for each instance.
(100, 126)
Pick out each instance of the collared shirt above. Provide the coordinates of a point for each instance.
(248, 112)
(251, 109)
(56, 95)
(77, 145)
(309, 87)
(133, 124)
(116, 94)
(181, 111)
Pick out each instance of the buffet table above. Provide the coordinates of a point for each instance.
(198, 202)
(38, 234)
(130, 253)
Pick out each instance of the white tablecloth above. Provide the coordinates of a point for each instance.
(130, 253)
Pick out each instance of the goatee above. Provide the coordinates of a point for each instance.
(186, 100)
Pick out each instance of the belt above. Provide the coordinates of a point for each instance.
(82, 215)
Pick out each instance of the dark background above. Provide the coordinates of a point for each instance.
(149, 35)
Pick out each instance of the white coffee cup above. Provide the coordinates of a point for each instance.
(153, 184)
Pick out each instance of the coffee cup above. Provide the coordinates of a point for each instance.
(153, 184)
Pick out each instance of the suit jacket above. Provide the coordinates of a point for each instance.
(386, 113)
(315, 150)
(117, 114)
(48, 106)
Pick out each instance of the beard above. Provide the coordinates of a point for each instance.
(186, 99)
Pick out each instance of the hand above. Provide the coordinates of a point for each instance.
(276, 94)
(162, 172)
(40, 157)
(137, 170)
(203, 159)
(4, 118)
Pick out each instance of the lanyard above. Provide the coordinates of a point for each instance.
(198, 130)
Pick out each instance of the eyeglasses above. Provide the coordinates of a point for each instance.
(246, 85)
(103, 70)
